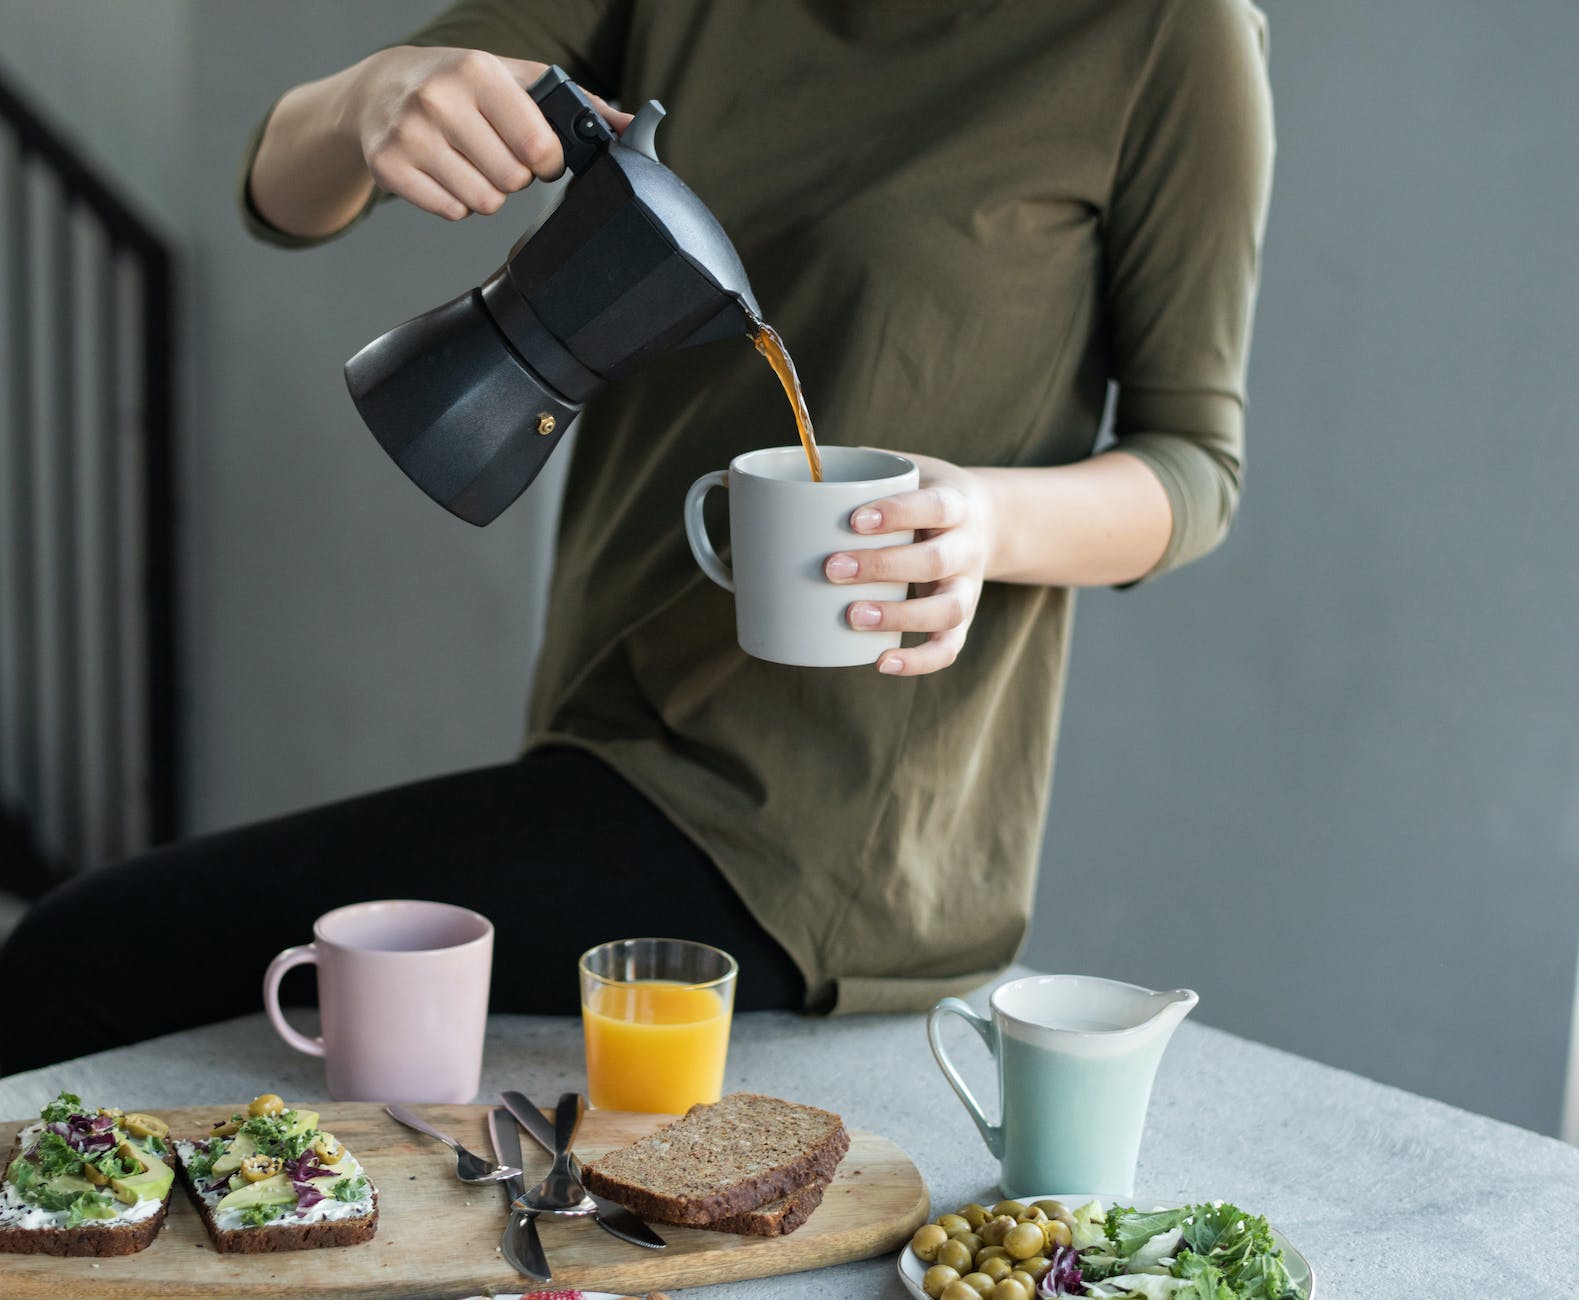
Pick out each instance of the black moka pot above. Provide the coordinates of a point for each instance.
(470, 398)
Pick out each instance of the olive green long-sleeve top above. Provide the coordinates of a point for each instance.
(965, 217)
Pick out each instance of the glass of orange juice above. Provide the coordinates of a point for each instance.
(655, 1013)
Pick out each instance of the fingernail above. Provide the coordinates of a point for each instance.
(865, 615)
(840, 568)
(891, 665)
(865, 519)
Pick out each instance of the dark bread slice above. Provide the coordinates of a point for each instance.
(97, 1240)
(271, 1238)
(722, 1159)
(777, 1218)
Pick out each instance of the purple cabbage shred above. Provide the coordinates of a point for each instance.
(1064, 1277)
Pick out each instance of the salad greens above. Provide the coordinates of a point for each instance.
(1212, 1251)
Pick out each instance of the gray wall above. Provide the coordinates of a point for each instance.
(1329, 778)
(340, 632)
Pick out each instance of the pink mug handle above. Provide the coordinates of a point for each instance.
(305, 955)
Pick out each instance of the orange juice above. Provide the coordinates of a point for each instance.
(654, 1045)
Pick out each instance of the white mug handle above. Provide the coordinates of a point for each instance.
(696, 529)
(991, 1134)
(305, 955)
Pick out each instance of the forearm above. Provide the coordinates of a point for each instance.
(1097, 522)
(309, 177)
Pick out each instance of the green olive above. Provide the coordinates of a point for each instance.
(1058, 1233)
(1036, 1266)
(936, 1278)
(970, 1241)
(991, 1252)
(975, 1215)
(1032, 1215)
(997, 1268)
(269, 1103)
(993, 1231)
(952, 1223)
(954, 1254)
(929, 1236)
(1058, 1212)
(1024, 1279)
(1024, 1240)
(1009, 1289)
(960, 1290)
(980, 1283)
(1012, 1208)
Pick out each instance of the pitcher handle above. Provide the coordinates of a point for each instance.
(991, 1134)
(696, 529)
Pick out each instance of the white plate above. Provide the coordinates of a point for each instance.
(912, 1270)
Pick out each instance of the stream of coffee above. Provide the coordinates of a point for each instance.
(770, 345)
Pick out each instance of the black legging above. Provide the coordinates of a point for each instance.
(556, 849)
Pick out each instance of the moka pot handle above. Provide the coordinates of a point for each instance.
(576, 121)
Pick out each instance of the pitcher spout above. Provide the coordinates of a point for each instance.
(1171, 1008)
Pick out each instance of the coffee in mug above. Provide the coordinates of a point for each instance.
(403, 998)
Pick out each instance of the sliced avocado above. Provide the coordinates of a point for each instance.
(303, 1121)
(95, 1211)
(241, 1146)
(150, 1185)
(267, 1191)
(139, 1155)
(70, 1184)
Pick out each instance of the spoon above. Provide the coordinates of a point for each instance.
(469, 1168)
(560, 1192)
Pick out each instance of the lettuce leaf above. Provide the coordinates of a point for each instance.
(1129, 1229)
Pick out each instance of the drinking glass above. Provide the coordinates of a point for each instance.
(655, 1013)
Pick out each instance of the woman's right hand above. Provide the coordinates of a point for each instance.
(453, 131)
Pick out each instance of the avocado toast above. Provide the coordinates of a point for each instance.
(85, 1182)
(271, 1180)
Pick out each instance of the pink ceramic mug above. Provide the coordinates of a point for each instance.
(403, 995)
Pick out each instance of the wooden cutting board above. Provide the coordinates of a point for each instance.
(438, 1237)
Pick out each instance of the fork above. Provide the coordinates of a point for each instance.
(469, 1168)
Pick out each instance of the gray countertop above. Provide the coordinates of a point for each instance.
(1388, 1194)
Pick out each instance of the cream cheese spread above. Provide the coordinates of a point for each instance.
(326, 1209)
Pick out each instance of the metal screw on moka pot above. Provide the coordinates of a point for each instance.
(472, 397)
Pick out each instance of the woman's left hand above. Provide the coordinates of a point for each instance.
(951, 515)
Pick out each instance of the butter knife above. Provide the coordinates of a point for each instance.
(609, 1215)
(520, 1244)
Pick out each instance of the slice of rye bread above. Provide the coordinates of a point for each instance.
(99, 1240)
(777, 1218)
(722, 1159)
(270, 1238)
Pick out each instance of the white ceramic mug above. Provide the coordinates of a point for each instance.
(403, 997)
(782, 528)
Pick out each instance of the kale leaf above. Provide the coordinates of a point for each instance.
(65, 1105)
(255, 1216)
(349, 1189)
(56, 1156)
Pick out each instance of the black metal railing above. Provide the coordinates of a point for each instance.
(88, 740)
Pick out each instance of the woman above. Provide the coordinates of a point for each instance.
(965, 218)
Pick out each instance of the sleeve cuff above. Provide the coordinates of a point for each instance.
(259, 226)
(1193, 443)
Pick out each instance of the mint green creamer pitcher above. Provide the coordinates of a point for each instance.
(1076, 1057)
